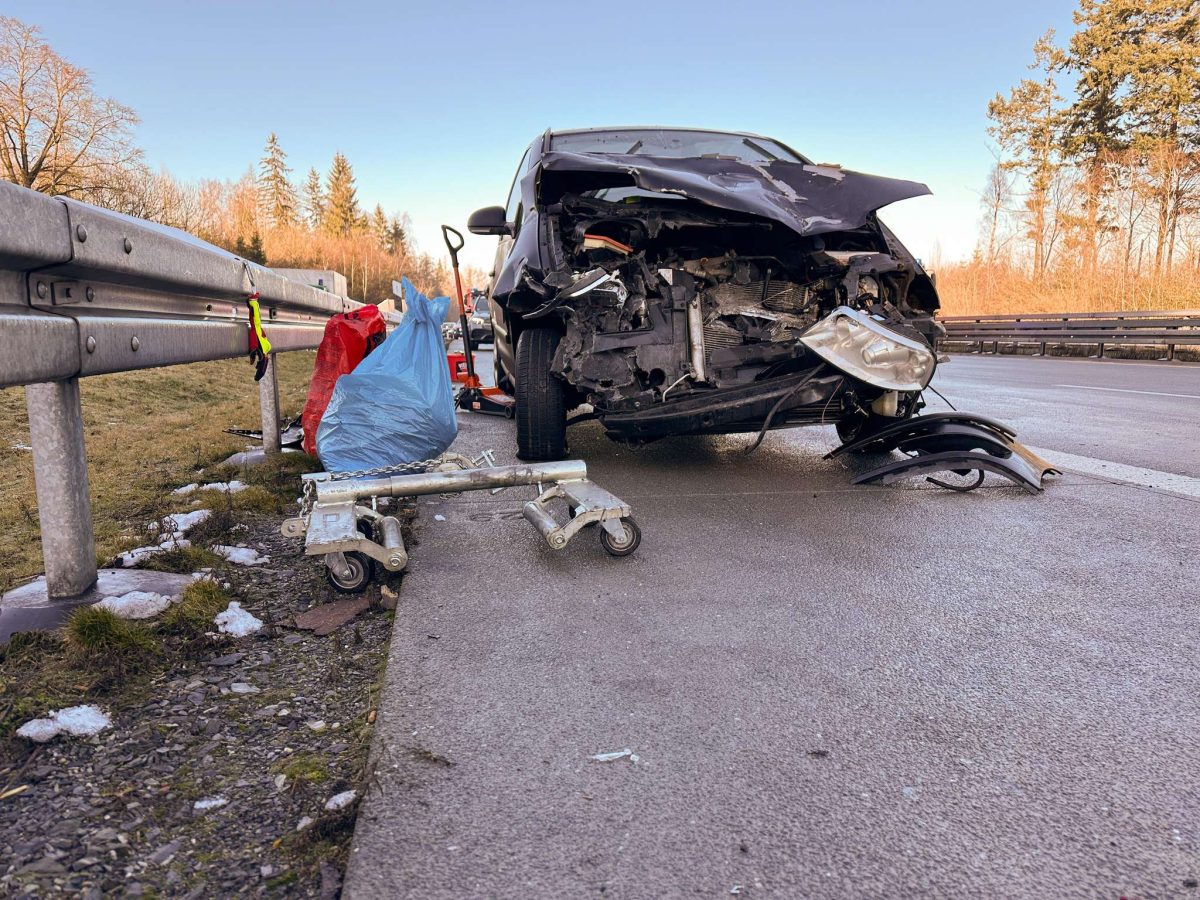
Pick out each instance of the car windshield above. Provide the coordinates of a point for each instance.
(481, 305)
(676, 144)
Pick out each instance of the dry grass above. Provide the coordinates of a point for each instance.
(147, 432)
(970, 289)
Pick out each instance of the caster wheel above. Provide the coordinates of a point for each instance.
(360, 571)
(625, 545)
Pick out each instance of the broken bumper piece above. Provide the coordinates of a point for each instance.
(951, 442)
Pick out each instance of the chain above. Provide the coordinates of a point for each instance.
(400, 468)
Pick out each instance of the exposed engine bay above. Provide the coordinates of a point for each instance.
(665, 302)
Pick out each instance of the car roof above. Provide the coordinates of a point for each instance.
(749, 134)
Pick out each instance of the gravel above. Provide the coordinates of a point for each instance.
(116, 814)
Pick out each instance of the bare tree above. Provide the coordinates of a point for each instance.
(57, 135)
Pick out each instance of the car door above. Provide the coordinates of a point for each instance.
(514, 214)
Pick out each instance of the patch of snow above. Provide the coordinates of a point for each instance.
(304, 822)
(236, 621)
(242, 556)
(225, 487)
(78, 721)
(242, 687)
(341, 801)
(179, 523)
(208, 803)
(136, 604)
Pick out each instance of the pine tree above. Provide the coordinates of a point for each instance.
(1028, 126)
(255, 252)
(397, 243)
(342, 215)
(380, 226)
(314, 200)
(276, 196)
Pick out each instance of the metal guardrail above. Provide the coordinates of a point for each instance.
(1160, 328)
(85, 291)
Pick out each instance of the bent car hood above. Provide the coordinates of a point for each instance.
(808, 198)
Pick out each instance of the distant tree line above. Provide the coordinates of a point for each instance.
(1094, 201)
(59, 137)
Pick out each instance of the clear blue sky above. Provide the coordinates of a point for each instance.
(433, 103)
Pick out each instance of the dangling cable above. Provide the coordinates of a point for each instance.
(944, 400)
(774, 409)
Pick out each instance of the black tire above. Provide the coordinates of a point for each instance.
(633, 537)
(541, 398)
(362, 569)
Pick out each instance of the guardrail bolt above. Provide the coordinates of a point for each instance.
(128, 245)
(90, 344)
(81, 233)
(42, 290)
(135, 343)
(90, 293)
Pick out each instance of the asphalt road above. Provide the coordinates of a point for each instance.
(832, 691)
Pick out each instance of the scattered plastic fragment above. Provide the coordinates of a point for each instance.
(242, 556)
(736, 889)
(225, 487)
(439, 518)
(77, 721)
(304, 822)
(236, 621)
(135, 604)
(208, 803)
(614, 755)
(341, 801)
(242, 687)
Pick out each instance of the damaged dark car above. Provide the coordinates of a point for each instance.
(682, 281)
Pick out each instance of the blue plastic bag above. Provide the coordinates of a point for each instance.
(397, 405)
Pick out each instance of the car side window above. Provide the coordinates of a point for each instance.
(512, 209)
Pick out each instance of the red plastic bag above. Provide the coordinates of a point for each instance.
(349, 337)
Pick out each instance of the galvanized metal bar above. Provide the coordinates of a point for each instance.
(61, 479)
(349, 489)
(268, 397)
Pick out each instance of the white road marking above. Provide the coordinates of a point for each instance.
(1086, 387)
(1183, 485)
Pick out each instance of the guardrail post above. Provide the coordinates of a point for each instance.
(61, 479)
(268, 395)
(1170, 352)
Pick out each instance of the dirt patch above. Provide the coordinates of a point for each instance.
(265, 729)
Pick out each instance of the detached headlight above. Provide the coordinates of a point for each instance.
(864, 347)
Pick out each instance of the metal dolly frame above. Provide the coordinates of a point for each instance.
(353, 536)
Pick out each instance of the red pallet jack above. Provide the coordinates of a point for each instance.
(473, 396)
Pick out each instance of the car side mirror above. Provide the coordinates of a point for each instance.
(489, 220)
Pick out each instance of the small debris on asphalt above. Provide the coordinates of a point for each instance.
(77, 721)
(236, 622)
(341, 801)
(614, 755)
(439, 518)
(819, 754)
(136, 604)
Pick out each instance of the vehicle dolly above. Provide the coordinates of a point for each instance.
(341, 521)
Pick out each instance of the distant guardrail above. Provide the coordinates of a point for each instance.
(1159, 328)
(86, 291)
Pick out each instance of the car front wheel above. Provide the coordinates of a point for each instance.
(541, 398)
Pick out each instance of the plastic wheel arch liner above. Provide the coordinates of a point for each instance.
(945, 442)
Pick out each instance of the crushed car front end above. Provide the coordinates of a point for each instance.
(730, 291)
